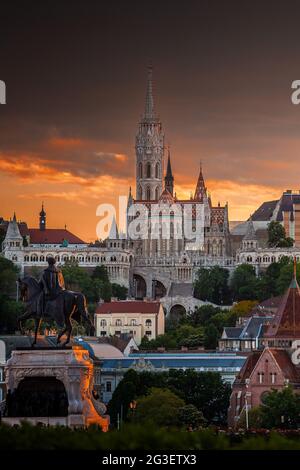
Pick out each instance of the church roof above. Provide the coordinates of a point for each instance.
(200, 191)
(113, 232)
(149, 105)
(169, 174)
(286, 322)
(265, 211)
(250, 233)
(53, 236)
(13, 231)
(166, 196)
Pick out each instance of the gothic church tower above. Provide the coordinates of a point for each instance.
(149, 149)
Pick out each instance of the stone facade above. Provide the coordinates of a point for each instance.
(73, 368)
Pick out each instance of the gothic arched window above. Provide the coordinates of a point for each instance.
(148, 170)
(156, 193)
(140, 193)
(148, 194)
(140, 170)
(157, 170)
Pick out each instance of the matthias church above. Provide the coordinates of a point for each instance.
(159, 267)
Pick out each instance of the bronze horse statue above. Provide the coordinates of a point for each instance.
(73, 306)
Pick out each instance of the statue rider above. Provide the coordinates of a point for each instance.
(52, 283)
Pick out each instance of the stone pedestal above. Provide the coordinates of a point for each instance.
(73, 367)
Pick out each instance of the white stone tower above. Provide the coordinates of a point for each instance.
(12, 245)
(149, 148)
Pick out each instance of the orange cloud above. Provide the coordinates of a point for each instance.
(66, 143)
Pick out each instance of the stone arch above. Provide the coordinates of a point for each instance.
(158, 288)
(157, 170)
(140, 286)
(39, 396)
(140, 170)
(177, 312)
(148, 170)
(148, 193)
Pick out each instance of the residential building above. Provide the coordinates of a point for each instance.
(131, 317)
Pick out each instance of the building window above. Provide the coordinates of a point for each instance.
(97, 377)
(157, 172)
(103, 323)
(273, 377)
(118, 322)
(148, 194)
(108, 386)
(260, 377)
(118, 333)
(148, 170)
(133, 322)
(148, 323)
(148, 333)
(102, 333)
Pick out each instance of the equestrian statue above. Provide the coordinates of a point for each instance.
(48, 299)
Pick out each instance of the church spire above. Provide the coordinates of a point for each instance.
(200, 192)
(149, 106)
(169, 179)
(42, 218)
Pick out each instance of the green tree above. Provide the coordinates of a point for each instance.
(281, 409)
(160, 407)
(118, 291)
(243, 308)
(244, 283)
(10, 310)
(277, 236)
(205, 390)
(286, 273)
(100, 272)
(211, 336)
(202, 315)
(191, 418)
(8, 277)
(212, 284)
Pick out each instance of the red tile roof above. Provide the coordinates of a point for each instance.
(129, 306)
(53, 236)
(286, 322)
(248, 366)
(283, 359)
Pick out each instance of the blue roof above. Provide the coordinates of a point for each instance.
(187, 362)
(85, 345)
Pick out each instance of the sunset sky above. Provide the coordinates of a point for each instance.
(76, 79)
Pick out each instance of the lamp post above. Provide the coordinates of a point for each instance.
(17, 284)
(132, 406)
(246, 404)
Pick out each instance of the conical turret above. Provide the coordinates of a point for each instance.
(169, 179)
(201, 191)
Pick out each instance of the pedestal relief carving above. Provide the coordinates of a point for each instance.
(74, 368)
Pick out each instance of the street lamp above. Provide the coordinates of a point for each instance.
(17, 284)
(132, 406)
(246, 404)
